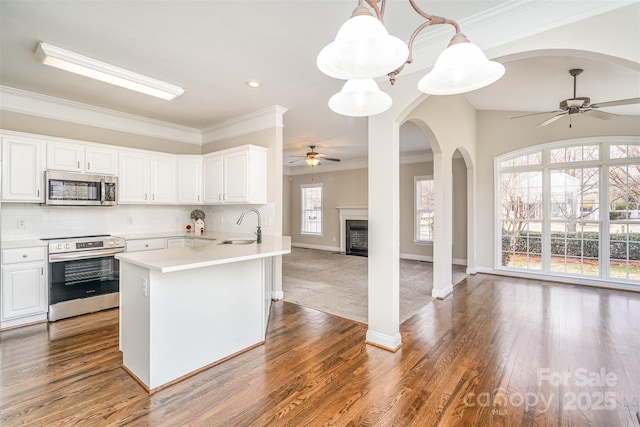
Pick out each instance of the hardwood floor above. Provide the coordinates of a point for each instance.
(494, 353)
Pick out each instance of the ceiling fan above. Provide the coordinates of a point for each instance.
(313, 158)
(581, 105)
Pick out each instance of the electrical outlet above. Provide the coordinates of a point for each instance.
(22, 222)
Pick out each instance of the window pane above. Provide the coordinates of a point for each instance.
(575, 193)
(424, 209)
(312, 209)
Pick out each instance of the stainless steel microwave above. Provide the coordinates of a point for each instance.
(77, 189)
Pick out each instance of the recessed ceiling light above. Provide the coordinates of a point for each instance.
(253, 83)
(88, 67)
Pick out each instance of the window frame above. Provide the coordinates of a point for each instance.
(604, 162)
(417, 211)
(303, 210)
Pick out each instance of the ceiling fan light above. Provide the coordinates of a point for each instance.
(360, 98)
(312, 161)
(362, 49)
(460, 68)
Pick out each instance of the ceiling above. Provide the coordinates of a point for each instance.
(211, 48)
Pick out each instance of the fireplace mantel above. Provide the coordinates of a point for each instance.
(350, 213)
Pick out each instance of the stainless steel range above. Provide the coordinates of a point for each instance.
(83, 275)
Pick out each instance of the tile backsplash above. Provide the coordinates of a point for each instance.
(24, 221)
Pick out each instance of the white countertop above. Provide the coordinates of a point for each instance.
(213, 253)
(168, 234)
(16, 244)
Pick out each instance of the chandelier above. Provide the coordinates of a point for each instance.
(363, 50)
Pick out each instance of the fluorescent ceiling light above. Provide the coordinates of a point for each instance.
(88, 67)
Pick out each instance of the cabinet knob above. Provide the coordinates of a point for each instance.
(146, 246)
(24, 255)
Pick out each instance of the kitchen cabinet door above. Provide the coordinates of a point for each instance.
(163, 180)
(24, 290)
(133, 178)
(101, 161)
(213, 179)
(237, 175)
(190, 180)
(65, 157)
(22, 171)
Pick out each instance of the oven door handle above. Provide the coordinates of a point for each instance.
(84, 255)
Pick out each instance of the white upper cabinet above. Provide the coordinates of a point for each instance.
(101, 161)
(22, 172)
(237, 175)
(81, 158)
(190, 180)
(133, 178)
(145, 178)
(163, 180)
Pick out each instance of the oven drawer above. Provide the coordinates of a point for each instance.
(15, 256)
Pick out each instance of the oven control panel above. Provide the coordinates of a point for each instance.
(89, 245)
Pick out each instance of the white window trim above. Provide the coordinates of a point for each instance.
(302, 219)
(416, 225)
(546, 165)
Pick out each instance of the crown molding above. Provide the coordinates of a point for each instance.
(252, 122)
(20, 101)
(423, 156)
(506, 23)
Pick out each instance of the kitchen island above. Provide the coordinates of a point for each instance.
(183, 310)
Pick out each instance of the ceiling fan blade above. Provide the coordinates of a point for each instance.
(618, 102)
(329, 158)
(535, 114)
(294, 161)
(552, 119)
(602, 115)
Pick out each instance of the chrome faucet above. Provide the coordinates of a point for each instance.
(259, 231)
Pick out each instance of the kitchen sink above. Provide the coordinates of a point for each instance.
(237, 242)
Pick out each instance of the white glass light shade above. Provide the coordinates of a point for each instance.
(312, 162)
(362, 49)
(360, 98)
(462, 67)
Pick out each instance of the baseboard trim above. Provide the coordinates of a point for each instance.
(320, 247)
(277, 295)
(441, 293)
(562, 280)
(429, 258)
(385, 342)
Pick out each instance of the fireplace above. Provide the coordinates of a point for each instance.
(357, 235)
(359, 216)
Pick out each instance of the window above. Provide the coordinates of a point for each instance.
(571, 209)
(312, 209)
(423, 208)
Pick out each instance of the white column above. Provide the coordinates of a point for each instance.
(443, 224)
(384, 235)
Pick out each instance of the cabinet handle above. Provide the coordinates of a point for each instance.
(198, 197)
(78, 164)
(153, 196)
(224, 197)
(88, 165)
(38, 192)
(42, 271)
(145, 196)
(219, 196)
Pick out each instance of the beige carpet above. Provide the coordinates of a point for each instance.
(337, 284)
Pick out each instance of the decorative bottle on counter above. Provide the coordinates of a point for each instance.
(198, 226)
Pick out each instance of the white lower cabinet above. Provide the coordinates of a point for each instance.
(24, 286)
